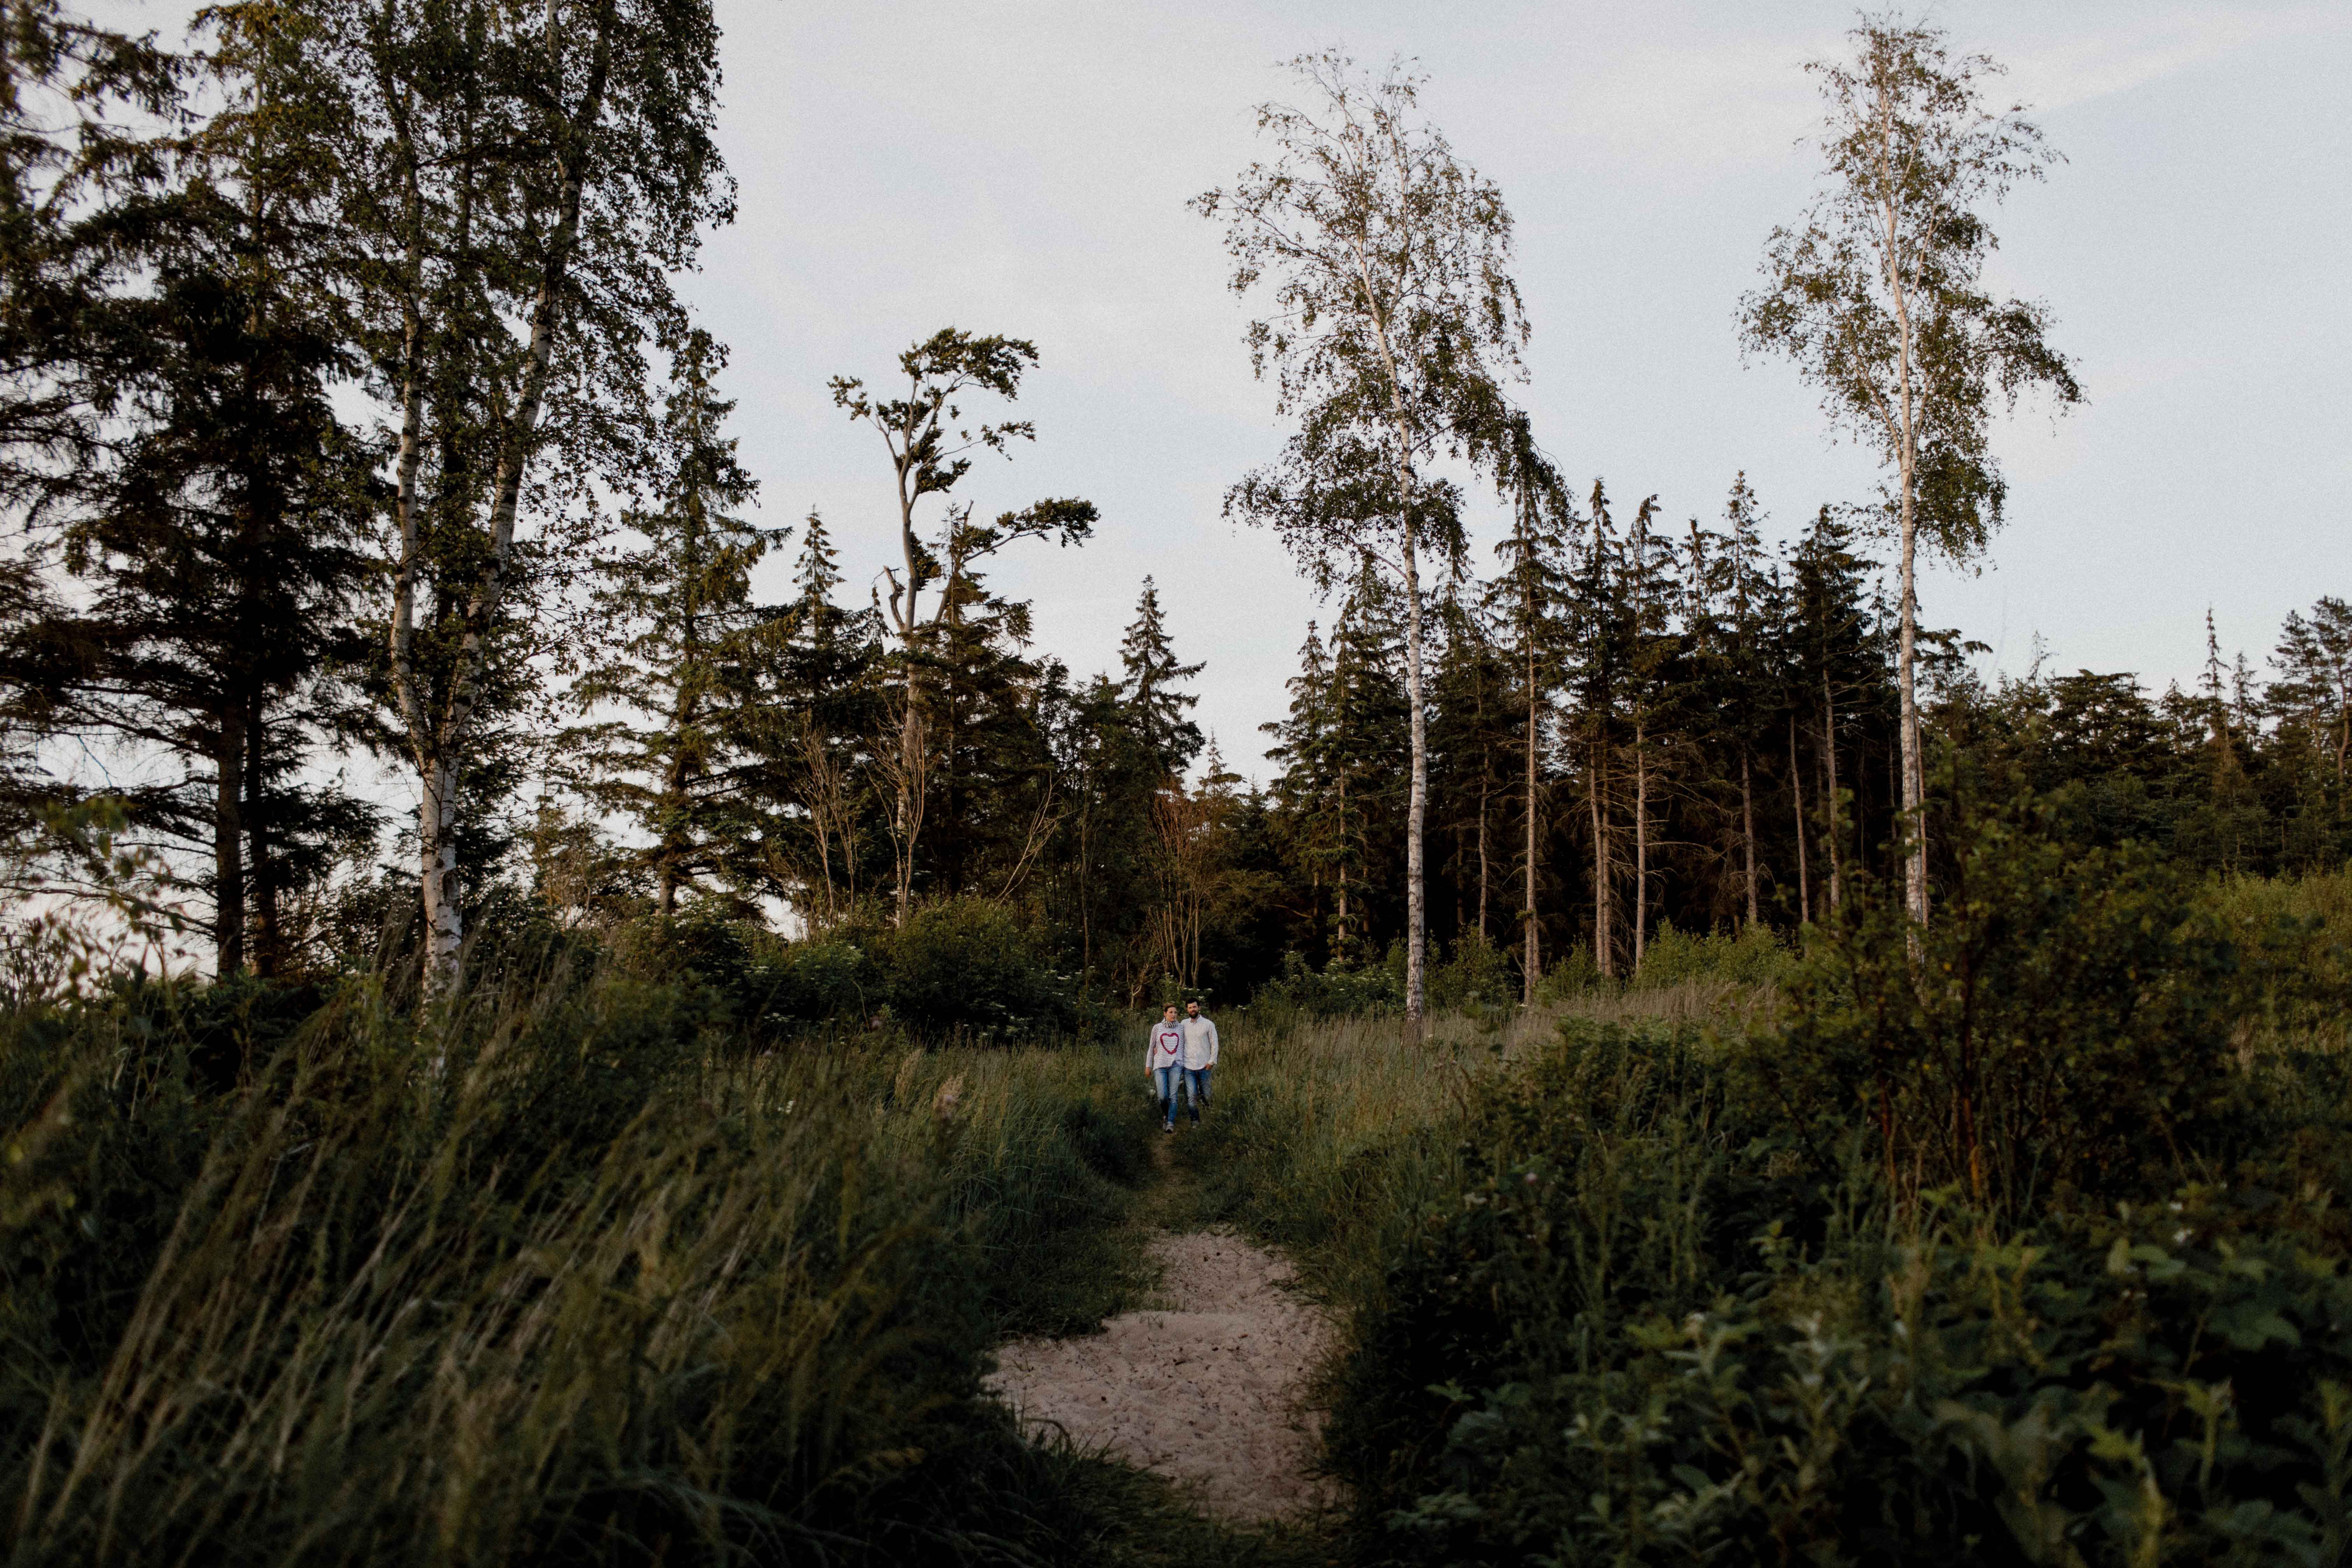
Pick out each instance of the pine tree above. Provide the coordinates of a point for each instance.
(1834, 665)
(1528, 600)
(1156, 709)
(1652, 685)
(2312, 701)
(216, 542)
(1469, 738)
(1370, 719)
(810, 763)
(1306, 792)
(1742, 684)
(1601, 639)
(684, 635)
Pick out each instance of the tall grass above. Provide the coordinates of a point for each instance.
(555, 1276)
(1330, 1136)
(1650, 1278)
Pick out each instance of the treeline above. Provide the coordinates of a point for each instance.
(347, 405)
(1636, 724)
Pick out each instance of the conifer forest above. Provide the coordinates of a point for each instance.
(550, 1015)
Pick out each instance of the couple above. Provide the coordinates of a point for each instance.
(1181, 1050)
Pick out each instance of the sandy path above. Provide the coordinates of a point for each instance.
(1206, 1392)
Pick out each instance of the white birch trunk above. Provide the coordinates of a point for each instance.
(1416, 918)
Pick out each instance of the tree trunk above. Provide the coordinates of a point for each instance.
(1416, 916)
(1832, 813)
(1914, 861)
(440, 724)
(1641, 844)
(436, 843)
(1915, 789)
(1797, 799)
(1531, 970)
(1747, 826)
(1605, 938)
(1342, 951)
(262, 869)
(228, 846)
(1484, 787)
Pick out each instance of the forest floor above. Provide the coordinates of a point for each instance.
(1206, 1385)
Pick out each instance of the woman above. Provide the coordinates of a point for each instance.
(1163, 1059)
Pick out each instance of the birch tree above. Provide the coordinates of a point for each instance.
(1878, 296)
(521, 185)
(1393, 316)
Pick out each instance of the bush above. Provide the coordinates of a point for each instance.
(1332, 992)
(967, 966)
(1752, 956)
(1473, 973)
(2174, 1384)
(1573, 975)
(2062, 1025)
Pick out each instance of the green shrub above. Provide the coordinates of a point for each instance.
(2175, 1385)
(2062, 1023)
(1473, 973)
(1751, 956)
(967, 966)
(1332, 992)
(1586, 1195)
(1573, 975)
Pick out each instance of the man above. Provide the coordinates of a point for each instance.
(1199, 1056)
(1163, 1060)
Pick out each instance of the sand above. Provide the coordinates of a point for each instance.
(1208, 1388)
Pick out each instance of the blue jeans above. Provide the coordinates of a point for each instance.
(1164, 1080)
(1196, 1088)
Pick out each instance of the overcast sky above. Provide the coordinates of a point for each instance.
(1023, 168)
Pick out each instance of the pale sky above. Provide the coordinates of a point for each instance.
(1023, 168)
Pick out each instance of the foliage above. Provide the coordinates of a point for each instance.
(2063, 1025)
(970, 967)
(587, 1294)
(1394, 322)
(1751, 956)
(1635, 1282)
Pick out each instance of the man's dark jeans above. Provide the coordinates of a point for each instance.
(1196, 1089)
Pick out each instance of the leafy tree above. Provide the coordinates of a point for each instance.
(518, 188)
(1394, 317)
(1878, 296)
(930, 455)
